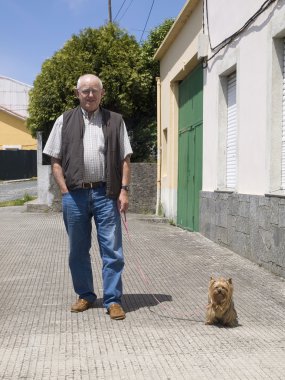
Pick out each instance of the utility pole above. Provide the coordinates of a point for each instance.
(110, 10)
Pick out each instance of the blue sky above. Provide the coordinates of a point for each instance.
(33, 30)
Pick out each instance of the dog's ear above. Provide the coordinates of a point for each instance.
(212, 281)
(230, 281)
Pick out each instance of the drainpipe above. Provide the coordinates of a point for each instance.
(158, 180)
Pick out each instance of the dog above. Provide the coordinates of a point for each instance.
(220, 308)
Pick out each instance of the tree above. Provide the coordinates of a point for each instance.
(125, 69)
(151, 44)
(145, 134)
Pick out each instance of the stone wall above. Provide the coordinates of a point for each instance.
(250, 225)
(143, 188)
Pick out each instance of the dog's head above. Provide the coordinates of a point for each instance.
(220, 290)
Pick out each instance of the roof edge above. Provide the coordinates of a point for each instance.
(16, 81)
(180, 21)
(6, 110)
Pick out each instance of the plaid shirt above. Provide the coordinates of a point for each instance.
(93, 143)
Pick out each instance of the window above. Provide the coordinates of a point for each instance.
(231, 142)
(277, 109)
(283, 125)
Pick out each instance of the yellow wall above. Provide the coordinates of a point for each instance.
(14, 132)
(176, 62)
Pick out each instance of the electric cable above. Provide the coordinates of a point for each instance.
(229, 39)
(126, 10)
(147, 19)
(120, 9)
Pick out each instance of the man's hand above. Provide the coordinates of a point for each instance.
(58, 174)
(123, 201)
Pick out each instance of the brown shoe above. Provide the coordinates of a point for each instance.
(116, 312)
(80, 305)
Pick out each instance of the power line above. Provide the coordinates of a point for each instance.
(216, 49)
(126, 10)
(120, 9)
(147, 19)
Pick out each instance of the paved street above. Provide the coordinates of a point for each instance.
(11, 190)
(165, 283)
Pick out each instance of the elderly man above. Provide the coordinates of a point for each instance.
(90, 156)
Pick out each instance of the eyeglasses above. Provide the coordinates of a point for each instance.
(87, 91)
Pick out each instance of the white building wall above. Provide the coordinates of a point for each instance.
(251, 56)
(14, 96)
(249, 220)
(226, 17)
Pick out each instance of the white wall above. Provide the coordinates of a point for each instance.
(14, 96)
(226, 17)
(251, 55)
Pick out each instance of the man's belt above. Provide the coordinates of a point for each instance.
(92, 185)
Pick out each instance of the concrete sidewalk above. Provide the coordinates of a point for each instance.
(40, 339)
(16, 189)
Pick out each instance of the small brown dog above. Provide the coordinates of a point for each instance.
(220, 309)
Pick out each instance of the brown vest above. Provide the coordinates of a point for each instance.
(73, 150)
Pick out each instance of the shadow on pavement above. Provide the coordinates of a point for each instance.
(133, 302)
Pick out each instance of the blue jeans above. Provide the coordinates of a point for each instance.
(79, 206)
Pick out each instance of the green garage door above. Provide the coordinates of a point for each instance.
(190, 149)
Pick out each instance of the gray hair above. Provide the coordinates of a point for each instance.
(89, 75)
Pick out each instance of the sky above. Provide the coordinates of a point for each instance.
(31, 31)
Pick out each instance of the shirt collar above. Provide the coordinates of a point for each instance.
(95, 113)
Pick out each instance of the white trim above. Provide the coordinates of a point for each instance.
(12, 113)
(15, 81)
(12, 147)
(283, 125)
(231, 147)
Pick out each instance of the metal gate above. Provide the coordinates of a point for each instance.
(190, 149)
(18, 164)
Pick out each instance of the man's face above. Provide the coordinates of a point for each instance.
(89, 93)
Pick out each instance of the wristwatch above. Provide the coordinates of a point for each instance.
(125, 187)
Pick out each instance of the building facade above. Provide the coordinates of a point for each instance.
(14, 99)
(180, 119)
(242, 193)
(242, 201)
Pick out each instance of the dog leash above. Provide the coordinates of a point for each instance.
(142, 274)
(146, 282)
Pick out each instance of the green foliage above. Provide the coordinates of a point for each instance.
(18, 202)
(152, 43)
(148, 49)
(126, 69)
